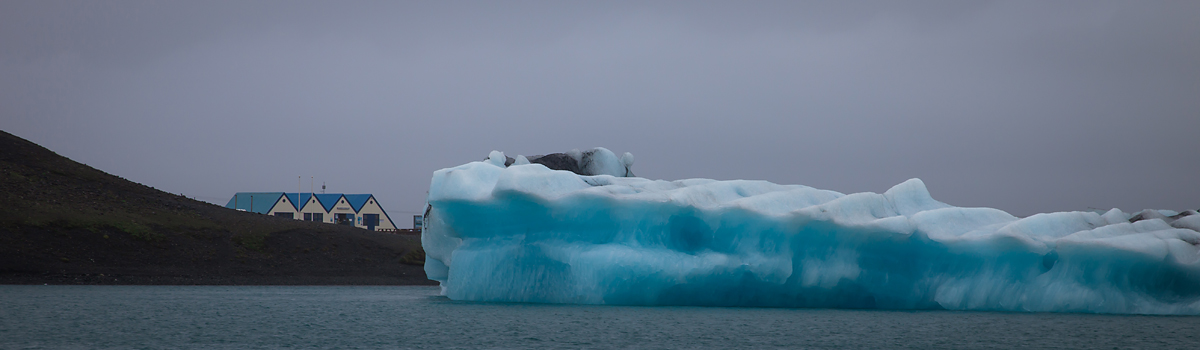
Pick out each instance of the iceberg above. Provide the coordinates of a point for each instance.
(516, 230)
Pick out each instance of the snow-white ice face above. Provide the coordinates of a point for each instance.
(627, 161)
(496, 158)
(601, 161)
(530, 234)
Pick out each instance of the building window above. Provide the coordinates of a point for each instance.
(318, 217)
(284, 215)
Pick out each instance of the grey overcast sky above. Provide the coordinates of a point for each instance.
(1025, 106)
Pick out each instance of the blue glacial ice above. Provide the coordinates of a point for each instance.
(526, 233)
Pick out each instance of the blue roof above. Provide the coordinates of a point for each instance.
(298, 198)
(258, 202)
(357, 200)
(329, 200)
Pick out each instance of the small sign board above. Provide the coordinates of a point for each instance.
(418, 221)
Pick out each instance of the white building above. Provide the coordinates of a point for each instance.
(359, 210)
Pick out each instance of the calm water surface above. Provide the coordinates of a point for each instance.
(241, 317)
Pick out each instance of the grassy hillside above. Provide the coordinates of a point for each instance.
(65, 222)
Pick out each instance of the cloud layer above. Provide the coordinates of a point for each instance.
(1023, 106)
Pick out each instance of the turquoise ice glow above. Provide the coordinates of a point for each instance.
(525, 233)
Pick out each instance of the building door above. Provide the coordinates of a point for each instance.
(344, 219)
(371, 220)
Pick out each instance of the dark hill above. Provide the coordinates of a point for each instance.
(66, 222)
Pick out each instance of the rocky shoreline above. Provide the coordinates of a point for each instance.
(63, 222)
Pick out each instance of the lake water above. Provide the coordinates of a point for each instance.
(287, 317)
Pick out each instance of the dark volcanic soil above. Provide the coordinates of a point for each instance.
(63, 222)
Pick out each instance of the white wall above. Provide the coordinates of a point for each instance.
(372, 207)
(282, 205)
(313, 206)
(341, 207)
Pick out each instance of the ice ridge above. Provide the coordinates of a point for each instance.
(521, 232)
